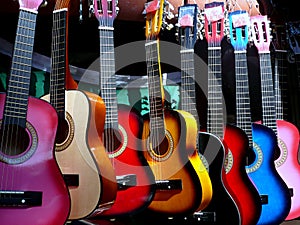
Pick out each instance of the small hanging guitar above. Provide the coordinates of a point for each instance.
(170, 136)
(32, 189)
(72, 152)
(277, 199)
(209, 146)
(122, 129)
(287, 163)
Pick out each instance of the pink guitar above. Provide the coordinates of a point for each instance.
(32, 188)
(279, 198)
(287, 164)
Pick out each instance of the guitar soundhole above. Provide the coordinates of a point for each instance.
(65, 133)
(15, 140)
(112, 139)
(161, 148)
(62, 131)
(250, 157)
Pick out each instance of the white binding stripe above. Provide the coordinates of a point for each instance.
(105, 28)
(29, 10)
(151, 43)
(186, 50)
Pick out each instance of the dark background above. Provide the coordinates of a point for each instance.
(84, 49)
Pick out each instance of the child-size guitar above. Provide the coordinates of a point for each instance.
(32, 188)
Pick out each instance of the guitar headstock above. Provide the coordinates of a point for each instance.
(214, 23)
(154, 17)
(293, 35)
(31, 4)
(188, 24)
(279, 37)
(105, 11)
(260, 33)
(61, 4)
(238, 29)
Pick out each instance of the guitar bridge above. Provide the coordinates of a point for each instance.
(168, 185)
(20, 198)
(126, 181)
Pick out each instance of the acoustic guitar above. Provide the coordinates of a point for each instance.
(239, 36)
(287, 163)
(169, 136)
(72, 151)
(274, 192)
(234, 138)
(188, 22)
(32, 188)
(209, 146)
(122, 129)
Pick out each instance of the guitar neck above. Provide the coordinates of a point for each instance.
(267, 91)
(58, 61)
(243, 110)
(215, 118)
(107, 76)
(281, 84)
(188, 91)
(297, 59)
(154, 87)
(15, 111)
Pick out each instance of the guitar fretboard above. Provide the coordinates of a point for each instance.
(58, 61)
(188, 92)
(155, 88)
(107, 76)
(267, 91)
(15, 110)
(215, 120)
(281, 84)
(243, 112)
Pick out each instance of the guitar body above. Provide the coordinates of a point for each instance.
(276, 200)
(107, 173)
(213, 150)
(236, 179)
(196, 161)
(287, 164)
(39, 172)
(174, 165)
(128, 159)
(75, 158)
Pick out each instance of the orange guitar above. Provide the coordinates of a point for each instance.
(170, 138)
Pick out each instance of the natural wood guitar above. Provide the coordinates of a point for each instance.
(72, 151)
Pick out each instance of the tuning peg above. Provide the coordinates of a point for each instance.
(44, 3)
(170, 16)
(168, 26)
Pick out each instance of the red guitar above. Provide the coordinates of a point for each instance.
(234, 138)
(123, 128)
(32, 189)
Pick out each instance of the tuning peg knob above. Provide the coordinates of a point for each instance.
(44, 4)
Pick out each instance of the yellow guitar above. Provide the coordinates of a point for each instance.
(183, 185)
